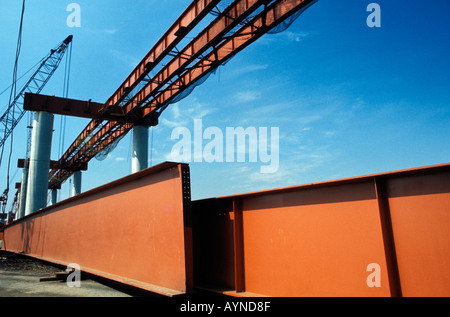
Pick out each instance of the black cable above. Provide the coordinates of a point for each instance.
(23, 75)
(13, 91)
(62, 126)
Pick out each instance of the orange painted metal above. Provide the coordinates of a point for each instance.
(324, 239)
(420, 212)
(193, 14)
(176, 76)
(135, 230)
(270, 17)
(72, 107)
(108, 133)
(209, 37)
(335, 238)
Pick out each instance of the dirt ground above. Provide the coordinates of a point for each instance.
(22, 276)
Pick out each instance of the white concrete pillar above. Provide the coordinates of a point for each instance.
(23, 192)
(139, 159)
(54, 196)
(41, 144)
(76, 184)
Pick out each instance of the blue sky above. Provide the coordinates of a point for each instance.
(348, 100)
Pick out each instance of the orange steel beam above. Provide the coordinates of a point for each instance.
(72, 107)
(193, 14)
(54, 165)
(319, 239)
(134, 230)
(227, 46)
(230, 18)
(108, 133)
(207, 39)
(269, 18)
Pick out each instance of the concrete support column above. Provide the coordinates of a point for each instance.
(54, 196)
(41, 143)
(140, 149)
(23, 192)
(76, 185)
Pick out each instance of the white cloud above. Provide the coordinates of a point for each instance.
(295, 36)
(109, 31)
(249, 95)
(124, 58)
(286, 36)
(183, 113)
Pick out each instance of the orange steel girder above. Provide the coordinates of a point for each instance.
(194, 13)
(249, 33)
(160, 90)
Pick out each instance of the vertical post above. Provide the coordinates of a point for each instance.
(140, 149)
(239, 266)
(76, 186)
(187, 220)
(39, 167)
(388, 238)
(23, 192)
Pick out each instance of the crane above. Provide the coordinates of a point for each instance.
(14, 111)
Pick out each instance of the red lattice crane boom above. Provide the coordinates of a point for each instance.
(141, 98)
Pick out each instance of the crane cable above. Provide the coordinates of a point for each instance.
(13, 93)
(23, 75)
(62, 127)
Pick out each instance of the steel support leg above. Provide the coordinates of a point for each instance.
(54, 196)
(140, 149)
(76, 187)
(39, 162)
(23, 193)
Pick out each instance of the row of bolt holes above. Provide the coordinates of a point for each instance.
(186, 185)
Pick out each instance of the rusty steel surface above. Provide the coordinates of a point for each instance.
(252, 30)
(65, 106)
(322, 239)
(134, 230)
(105, 134)
(210, 37)
(193, 14)
(209, 49)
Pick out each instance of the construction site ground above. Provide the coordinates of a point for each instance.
(21, 276)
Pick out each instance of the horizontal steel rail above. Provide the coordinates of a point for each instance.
(216, 34)
(193, 14)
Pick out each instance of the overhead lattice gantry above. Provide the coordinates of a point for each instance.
(142, 98)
